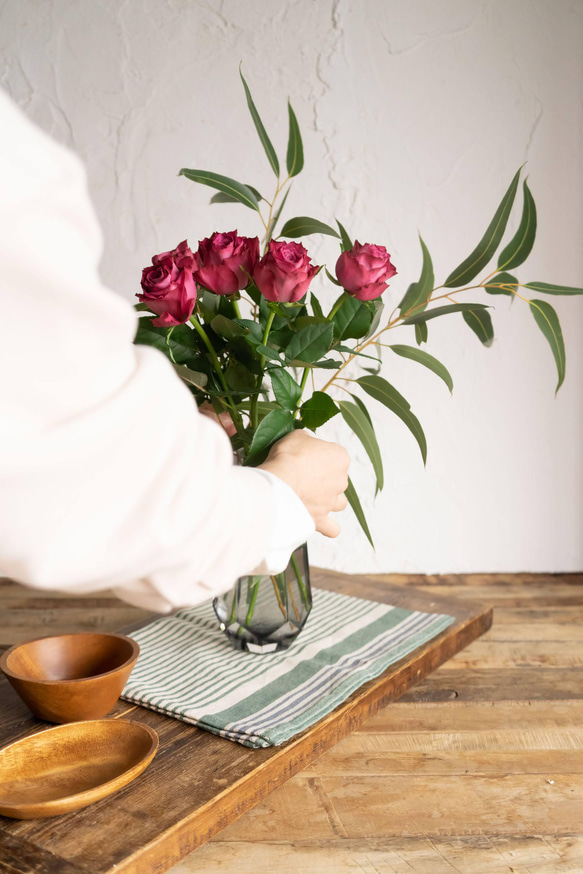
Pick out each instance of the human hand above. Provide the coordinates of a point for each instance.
(223, 419)
(317, 471)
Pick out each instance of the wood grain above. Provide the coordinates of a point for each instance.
(476, 769)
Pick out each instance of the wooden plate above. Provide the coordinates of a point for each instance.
(70, 766)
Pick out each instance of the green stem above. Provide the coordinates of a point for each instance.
(236, 308)
(255, 401)
(256, 581)
(344, 296)
(301, 584)
(305, 375)
(236, 415)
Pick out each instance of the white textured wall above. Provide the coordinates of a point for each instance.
(415, 116)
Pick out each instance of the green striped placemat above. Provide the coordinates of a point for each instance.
(188, 669)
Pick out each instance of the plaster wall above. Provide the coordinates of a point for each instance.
(415, 116)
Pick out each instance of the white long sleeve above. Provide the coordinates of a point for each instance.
(109, 476)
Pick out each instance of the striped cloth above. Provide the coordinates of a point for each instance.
(187, 668)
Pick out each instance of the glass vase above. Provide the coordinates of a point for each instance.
(264, 614)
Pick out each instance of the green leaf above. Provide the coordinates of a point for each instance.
(199, 380)
(227, 328)
(347, 243)
(304, 225)
(332, 278)
(316, 306)
(317, 410)
(442, 311)
(184, 344)
(493, 286)
(354, 502)
(480, 322)
(352, 320)
(295, 149)
(272, 428)
(240, 192)
(287, 391)
(426, 360)
(265, 141)
(221, 197)
(358, 422)
(311, 343)
(150, 335)
(360, 403)
(239, 377)
(548, 321)
(421, 333)
(418, 292)
(485, 249)
(545, 288)
(381, 390)
(268, 352)
(520, 246)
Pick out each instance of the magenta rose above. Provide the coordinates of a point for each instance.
(365, 270)
(168, 286)
(225, 262)
(285, 272)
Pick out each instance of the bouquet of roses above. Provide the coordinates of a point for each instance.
(246, 331)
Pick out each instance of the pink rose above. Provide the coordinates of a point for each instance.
(168, 286)
(364, 271)
(225, 262)
(285, 272)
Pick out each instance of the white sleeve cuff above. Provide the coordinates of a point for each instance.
(292, 525)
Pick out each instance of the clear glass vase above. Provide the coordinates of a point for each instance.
(266, 613)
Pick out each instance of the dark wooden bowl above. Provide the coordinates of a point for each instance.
(70, 766)
(71, 677)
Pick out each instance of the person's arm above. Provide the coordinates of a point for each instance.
(109, 476)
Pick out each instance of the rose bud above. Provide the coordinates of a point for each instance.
(285, 272)
(364, 271)
(168, 286)
(225, 262)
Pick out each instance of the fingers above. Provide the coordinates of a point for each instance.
(340, 503)
(328, 527)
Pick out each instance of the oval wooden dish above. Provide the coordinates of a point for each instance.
(70, 766)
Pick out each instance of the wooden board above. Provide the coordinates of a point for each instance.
(199, 783)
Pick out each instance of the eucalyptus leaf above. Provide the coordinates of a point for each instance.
(427, 360)
(442, 311)
(317, 410)
(265, 141)
(421, 333)
(548, 321)
(520, 246)
(502, 283)
(347, 243)
(272, 428)
(381, 390)
(418, 292)
(545, 288)
(221, 197)
(311, 343)
(223, 183)
(295, 149)
(303, 225)
(354, 502)
(358, 422)
(480, 322)
(485, 249)
(287, 391)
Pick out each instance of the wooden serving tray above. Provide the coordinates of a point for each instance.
(198, 783)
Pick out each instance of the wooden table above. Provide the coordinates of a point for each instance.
(476, 769)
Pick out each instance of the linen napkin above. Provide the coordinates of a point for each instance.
(187, 668)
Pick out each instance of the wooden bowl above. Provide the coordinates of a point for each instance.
(71, 677)
(70, 766)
